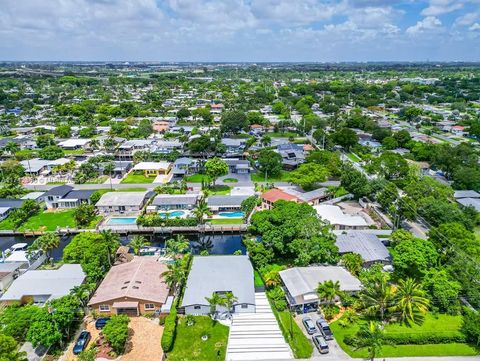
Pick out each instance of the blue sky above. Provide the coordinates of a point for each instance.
(240, 30)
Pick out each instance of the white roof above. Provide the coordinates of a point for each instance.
(17, 256)
(121, 199)
(33, 195)
(52, 283)
(334, 215)
(152, 165)
(4, 210)
(74, 142)
(304, 280)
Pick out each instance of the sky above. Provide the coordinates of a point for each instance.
(240, 30)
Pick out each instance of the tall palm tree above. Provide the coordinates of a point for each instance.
(201, 211)
(177, 246)
(328, 290)
(214, 301)
(370, 336)
(266, 140)
(108, 169)
(111, 241)
(412, 305)
(378, 298)
(175, 276)
(11, 147)
(137, 243)
(46, 243)
(228, 300)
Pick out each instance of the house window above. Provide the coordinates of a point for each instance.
(149, 306)
(197, 307)
(244, 305)
(104, 308)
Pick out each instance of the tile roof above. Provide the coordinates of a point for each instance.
(276, 194)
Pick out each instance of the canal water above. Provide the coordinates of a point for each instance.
(213, 243)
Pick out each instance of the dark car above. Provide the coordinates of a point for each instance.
(321, 343)
(101, 322)
(82, 342)
(309, 325)
(324, 328)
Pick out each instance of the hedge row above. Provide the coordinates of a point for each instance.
(154, 220)
(169, 330)
(416, 339)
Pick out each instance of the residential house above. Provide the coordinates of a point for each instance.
(167, 146)
(276, 194)
(167, 202)
(7, 205)
(8, 273)
(74, 143)
(238, 166)
(313, 197)
(184, 166)
(41, 286)
(218, 203)
(36, 196)
(122, 202)
(161, 126)
(128, 148)
(133, 288)
(233, 145)
(300, 284)
(219, 274)
(338, 219)
(292, 155)
(155, 169)
(367, 245)
(64, 197)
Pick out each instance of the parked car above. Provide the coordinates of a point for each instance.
(309, 325)
(101, 322)
(82, 342)
(324, 328)
(321, 343)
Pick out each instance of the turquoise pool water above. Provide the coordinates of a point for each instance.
(122, 220)
(231, 214)
(172, 214)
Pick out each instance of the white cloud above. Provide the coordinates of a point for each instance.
(439, 7)
(474, 27)
(427, 25)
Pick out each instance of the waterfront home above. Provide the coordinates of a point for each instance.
(64, 197)
(7, 205)
(300, 284)
(167, 202)
(313, 197)
(238, 166)
(8, 273)
(334, 216)
(121, 202)
(41, 286)
(133, 288)
(367, 245)
(217, 203)
(219, 274)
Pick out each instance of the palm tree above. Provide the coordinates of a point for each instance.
(108, 169)
(11, 147)
(177, 246)
(202, 210)
(228, 300)
(94, 143)
(328, 290)
(46, 243)
(214, 301)
(111, 242)
(370, 336)
(378, 298)
(272, 279)
(137, 243)
(412, 305)
(175, 276)
(266, 140)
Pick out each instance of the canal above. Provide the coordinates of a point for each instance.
(213, 243)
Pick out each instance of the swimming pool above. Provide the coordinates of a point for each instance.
(231, 214)
(122, 220)
(172, 214)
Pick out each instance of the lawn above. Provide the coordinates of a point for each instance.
(299, 343)
(7, 224)
(221, 190)
(444, 324)
(259, 177)
(282, 134)
(230, 180)
(133, 178)
(353, 157)
(99, 180)
(257, 279)
(227, 221)
(49, 220)
(197, 178)
(190, 346)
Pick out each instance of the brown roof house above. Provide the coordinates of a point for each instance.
(133, 288)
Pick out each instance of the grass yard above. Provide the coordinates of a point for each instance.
(353, 157)
(190, 346)
(257, 279)
(444, 324)
(299, 343)
(48, 221)
(226, 221)
(134, 178)
(197, 178)
(282, 134)
(7, 224)
(230, 180)
(99, 180)
(221, 190)
(258, 177)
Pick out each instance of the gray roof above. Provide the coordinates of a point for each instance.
(80, 194)
(367, 245)
(33, 195)
(308, 196)
(34, 165)
(60, 191)
(219, 273)
(121, 199)
(11, 203)
(470, 202)
(167, 199)
(52, 283)
(466, 194)
(225, 200)
(7, 268)
(303, 280)
(233, 142)
(184, 161)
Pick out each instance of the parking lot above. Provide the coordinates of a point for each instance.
(335, 351)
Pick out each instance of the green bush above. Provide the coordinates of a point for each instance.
(471, 326)
(330, 311)
(423, 338)
(116, 332)
(169, 330)
(154, 220)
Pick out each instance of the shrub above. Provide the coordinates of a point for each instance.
(169, 330)
(154, 220)
(116, 332)
(471, 326)
(423, 338)
(330, 311)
